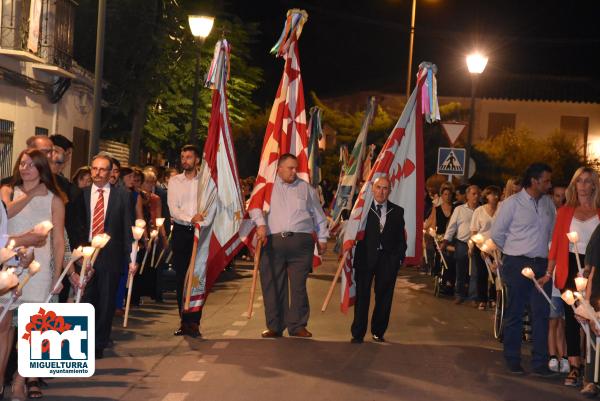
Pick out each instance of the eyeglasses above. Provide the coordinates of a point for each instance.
(100, 169)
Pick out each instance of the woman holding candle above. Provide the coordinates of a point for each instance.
(581, 215)
(481, 223)
(33, 197)
(438, 220)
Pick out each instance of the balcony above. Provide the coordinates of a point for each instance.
(39, 31)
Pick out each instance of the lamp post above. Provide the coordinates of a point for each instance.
(476, 63)
(410, 48)
(200, 25)
(98, 71)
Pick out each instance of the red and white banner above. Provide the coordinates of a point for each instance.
(217, 240)
(401, 160)
(287, 129)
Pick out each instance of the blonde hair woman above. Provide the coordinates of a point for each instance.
(581, 213)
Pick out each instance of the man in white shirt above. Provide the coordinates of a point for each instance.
(182, 198)
(459, 228)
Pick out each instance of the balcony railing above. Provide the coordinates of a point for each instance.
(41, 27)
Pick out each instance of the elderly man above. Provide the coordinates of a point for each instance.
(522, 229)
(286, 233)
(459, 227)
(378, 255)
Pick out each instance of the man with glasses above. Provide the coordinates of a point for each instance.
(104, 208)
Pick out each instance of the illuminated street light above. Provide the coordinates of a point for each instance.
(200, 25)
(476, 63)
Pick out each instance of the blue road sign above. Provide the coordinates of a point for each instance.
(451, 161)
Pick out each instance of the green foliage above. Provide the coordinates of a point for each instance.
(150, 60)
(509, 153)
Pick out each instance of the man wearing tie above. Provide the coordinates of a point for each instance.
(103, 208)
(378, 255)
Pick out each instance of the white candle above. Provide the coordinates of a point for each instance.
(528, 272)
(478, 239)
(581, 283)
(140, 223)
(573, 237)
(87, 253)
(568, 297)
(76, 254)
(160, 221)
(43, 228)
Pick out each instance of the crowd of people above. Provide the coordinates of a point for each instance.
(528, 222)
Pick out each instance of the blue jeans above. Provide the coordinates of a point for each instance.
(521, 292)
(461, 258)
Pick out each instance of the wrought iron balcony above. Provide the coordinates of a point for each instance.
(40, 28)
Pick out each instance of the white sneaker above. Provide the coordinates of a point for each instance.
(553, 365)
(564, 366)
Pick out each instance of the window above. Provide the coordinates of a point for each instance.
(576, 127)
(498, 122)
(41, 131)
(7, 130)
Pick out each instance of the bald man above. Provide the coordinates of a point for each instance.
(378, 256)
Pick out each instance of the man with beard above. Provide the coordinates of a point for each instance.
(182, 197)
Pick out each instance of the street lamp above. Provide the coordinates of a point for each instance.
(476, 63)
(200, 25)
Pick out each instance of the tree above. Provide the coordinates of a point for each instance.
(149, 68)
(509, 153)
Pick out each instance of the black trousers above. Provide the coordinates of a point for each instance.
(182, 245)
(384, 274)
(101, 292)
(572, 327)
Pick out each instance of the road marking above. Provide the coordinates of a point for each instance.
(208, 358)
(193, 376)
(231, 333)
(220, 345)
(257, 305)
(240, 323)
(175, 397)
(245, 314)
(260, 298)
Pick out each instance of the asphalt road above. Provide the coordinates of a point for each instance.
(435, 350)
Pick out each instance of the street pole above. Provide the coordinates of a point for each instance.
(96, 125)
(474, 79)
(410, 48)
(194, 131)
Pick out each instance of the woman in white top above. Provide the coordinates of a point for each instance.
(32, 198)
(481, 223)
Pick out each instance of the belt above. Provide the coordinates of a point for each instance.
(184, 226)
(285, 234)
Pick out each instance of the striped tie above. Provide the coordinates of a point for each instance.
(98, 219)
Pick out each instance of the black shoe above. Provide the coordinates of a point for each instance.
(543, 371)
(378, 339)
(179, 332)
(99, 353)
(516, 369)
(356, 340)
(110, 343)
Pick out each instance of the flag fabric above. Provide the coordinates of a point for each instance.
(401, 160)
(217, 239)
(286, 130)
(351, 170)
(316, 131)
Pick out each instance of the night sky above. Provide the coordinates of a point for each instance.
(363, 44)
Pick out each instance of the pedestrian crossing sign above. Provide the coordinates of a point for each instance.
(451, 161)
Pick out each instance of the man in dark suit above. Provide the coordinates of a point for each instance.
(103, 208)
(378, 255)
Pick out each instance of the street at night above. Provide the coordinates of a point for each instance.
(434, 351)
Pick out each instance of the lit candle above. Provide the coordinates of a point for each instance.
(76, 254)
(568, 297)
(153, 235)
(43, 228)
(99, 242)
(528, 272)
(33, 268)
(137, 233)
(140, 223)
(160, 221)
(574, 239)
(87, 254)
(478, 239)
(581, 283)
